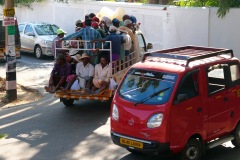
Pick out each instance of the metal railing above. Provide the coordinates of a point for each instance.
(80, 45)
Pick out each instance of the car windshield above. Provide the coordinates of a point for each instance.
(46, 29)
(139, 85)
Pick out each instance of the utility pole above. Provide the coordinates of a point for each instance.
(9, 23)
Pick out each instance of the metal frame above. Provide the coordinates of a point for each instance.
(193, 53)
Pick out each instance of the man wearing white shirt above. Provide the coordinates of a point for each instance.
(102, 75)
(85, 70)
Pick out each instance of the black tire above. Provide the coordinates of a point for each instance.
(38, 52)
(193, 150)
(67, 102)
(236, 134)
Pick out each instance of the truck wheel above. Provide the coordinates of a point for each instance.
(236, 134)
(38, 52)
(193, 150)
(67, 102)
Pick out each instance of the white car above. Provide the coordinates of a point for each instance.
(37, 37)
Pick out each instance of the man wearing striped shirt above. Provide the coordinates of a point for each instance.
(87, 34)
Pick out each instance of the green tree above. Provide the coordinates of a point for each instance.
(21, 2)
(224, 5)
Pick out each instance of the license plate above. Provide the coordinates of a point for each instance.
(131, 143)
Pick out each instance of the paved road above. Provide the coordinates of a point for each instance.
(31, 72)
(46, 130)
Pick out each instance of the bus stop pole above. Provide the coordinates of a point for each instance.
(9, 22)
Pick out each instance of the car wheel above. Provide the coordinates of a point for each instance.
(193, 150)
(67, 102)
(38, 52)
(236, 134)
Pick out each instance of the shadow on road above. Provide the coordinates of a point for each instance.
(28, 62)
(33, 56)
(218, 153)
(49, 130)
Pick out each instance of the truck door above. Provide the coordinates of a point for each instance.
(186, 112)
(219, 95)
(142, 48)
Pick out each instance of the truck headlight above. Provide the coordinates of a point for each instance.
(155, 120)
(115, 114)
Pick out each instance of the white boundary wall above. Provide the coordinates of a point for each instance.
(164, 28)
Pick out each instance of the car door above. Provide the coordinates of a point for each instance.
(28, 38)
(187, 110)
(233, 92)
(21, 28)
(219, 98)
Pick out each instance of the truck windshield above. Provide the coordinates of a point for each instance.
(140, 84)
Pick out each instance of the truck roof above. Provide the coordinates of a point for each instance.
(180, 58)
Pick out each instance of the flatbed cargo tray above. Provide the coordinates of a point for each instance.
(79, 94)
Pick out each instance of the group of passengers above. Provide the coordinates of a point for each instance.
(92, 79)
(80, 66)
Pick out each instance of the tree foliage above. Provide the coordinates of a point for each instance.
(224, 5)
(21, 2)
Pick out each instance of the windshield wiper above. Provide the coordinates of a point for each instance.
(151, 96)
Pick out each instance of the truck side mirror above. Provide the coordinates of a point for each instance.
(180, 98)
(149, 46)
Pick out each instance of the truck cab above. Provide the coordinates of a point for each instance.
(180, 100)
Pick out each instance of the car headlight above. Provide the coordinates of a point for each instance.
(47, 43)
(115, 114)
(155, 120)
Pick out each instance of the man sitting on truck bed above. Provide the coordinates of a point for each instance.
(102, 75)
(59, 74)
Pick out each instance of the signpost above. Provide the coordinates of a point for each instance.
(10, 50)
(9, 12)
(8, 21)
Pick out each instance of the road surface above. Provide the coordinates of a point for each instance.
(47, 130)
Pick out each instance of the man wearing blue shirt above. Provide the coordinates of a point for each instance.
(116, 41)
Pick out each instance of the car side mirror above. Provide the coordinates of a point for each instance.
(180, 98)
(30, 34)
(149, 46)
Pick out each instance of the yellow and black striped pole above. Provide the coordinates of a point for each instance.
(9, 23)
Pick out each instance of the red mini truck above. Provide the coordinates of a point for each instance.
(180, 100)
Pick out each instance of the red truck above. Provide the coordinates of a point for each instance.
(181, 100)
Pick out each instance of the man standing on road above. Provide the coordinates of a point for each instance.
(56, 43)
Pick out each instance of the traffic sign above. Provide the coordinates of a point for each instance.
(9, 12)
(8, 21)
